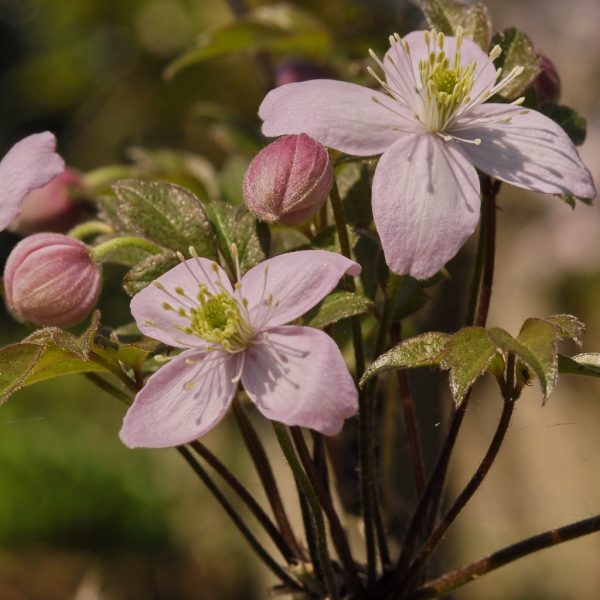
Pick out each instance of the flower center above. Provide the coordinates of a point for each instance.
(217, 318)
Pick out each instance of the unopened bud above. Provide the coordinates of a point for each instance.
(298, 69)
(51, 208)
(50, 279)
(288, 180)
(546, 85)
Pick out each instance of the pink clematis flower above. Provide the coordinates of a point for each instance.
(432, 130)
(30, 164)
(295, 375)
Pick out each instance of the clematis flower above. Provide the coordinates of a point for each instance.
(295, 375)
(433, 131)
(30, 164)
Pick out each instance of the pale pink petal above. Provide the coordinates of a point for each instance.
(402, 71)
(425, 203)
(182, 401)
(531, 151)
(298, 377)
(155, 308)
(340, 115)
(283, 288)
(30, 164)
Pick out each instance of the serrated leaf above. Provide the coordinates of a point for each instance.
(568, 327)
(235, 225)
(582, 364)
(338, 306)
(447, 15)
(540, 336)
(517, 51)
(27, 363)
(281, 28)
(145, 272)
(467, 355)
(574, 124)
(419, 351)
(166, 214)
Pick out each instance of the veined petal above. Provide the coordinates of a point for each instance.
(530, 151)
(283, 288)
(155, 307)
(340, 115)
(297, 376)
(30, 164)
(425, 203)
(183, 400)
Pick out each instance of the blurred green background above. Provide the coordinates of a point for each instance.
(83, 517)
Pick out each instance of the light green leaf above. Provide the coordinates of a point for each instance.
(467, 355)
(235, 225)
(517, 51)
(540, 336)
(338, 306)
(581, 364)
(419, 351)
(447, 15)
(165, 214)
(568, 327)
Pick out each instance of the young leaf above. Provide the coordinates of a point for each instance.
(582, 364)
(447, 15)
(235, 225)
(568, 327)
(145, 272)
(574, 124)
(517, 51)
(338, 306)
(166, 214)
(467, 355)
(419, 351)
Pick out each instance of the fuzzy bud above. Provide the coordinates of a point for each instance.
(546, 85)
(50, 208)
(50, 279)
(288, 180)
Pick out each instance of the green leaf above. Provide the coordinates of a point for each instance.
(354, 182)
(517, 51)
(145, 272)
(235, 225)
(467, 355)
(582, 364)
(447, 15)
(574, 124)
(540, 336)
(572, 200)
(166, 214)
(419, 351)
(568, 327)
(278, 28)
(26, 363)
(409, 298)
(338, 306)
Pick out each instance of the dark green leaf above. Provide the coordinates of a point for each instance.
(235, 225)
(354, 182)
(517, 51)
(467, 355)
(166, 214)
(419, 351)
(410, 297)
(574, 124)
(338, 306)
(447, 15)
(145, 272)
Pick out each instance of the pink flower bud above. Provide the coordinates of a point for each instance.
(297, 69)
(50, 208)
(546, 85)
(288, 180)
(50, 279)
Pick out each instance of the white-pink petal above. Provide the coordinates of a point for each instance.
(283, 288)
(30, 164)
(182, 401)
(340, 115)
(425, 203)
(298, 377)
(530, 151)
(155, 307)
